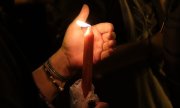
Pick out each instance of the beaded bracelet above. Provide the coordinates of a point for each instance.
(49, 72)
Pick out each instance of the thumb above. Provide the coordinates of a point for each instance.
(83, 15)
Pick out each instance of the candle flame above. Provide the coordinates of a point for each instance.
(87, 32)
(82, 24)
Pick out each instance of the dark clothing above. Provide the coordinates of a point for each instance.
(30, 30)
(172, 52)
(17, 88)
(28, 37)
(127, 73)
(137, 66)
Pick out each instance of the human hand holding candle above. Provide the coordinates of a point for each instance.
(88, 54)
(102, 46)
(73, 43)
(70, 56)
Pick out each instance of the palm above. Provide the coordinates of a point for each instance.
(73, 42)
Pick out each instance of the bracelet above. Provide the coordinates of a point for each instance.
(52, 71)
(47, 70)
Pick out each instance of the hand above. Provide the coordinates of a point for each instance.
(70, 56)
(73, 41)
(104, 40)
(72, 46)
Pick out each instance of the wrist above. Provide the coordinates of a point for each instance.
(48, 81)
(60, 63)
(44, 85)
(52, 75)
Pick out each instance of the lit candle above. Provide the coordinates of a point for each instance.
(87, 58)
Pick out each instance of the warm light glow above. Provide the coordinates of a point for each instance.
(87, 32)
(82, 24)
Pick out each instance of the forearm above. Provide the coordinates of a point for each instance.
(42, 76)
(134, 55)
(44, 84)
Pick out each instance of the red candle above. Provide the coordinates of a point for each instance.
(87, 61)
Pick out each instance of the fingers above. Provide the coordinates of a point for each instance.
(109, 44)
(108, 48)
(106, 53)
(104, 27)
(104, 36)
(109, 36)
(98, 45)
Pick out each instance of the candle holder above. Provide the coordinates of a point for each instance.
(77, 97)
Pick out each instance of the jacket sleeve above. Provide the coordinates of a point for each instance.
(171, 43)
